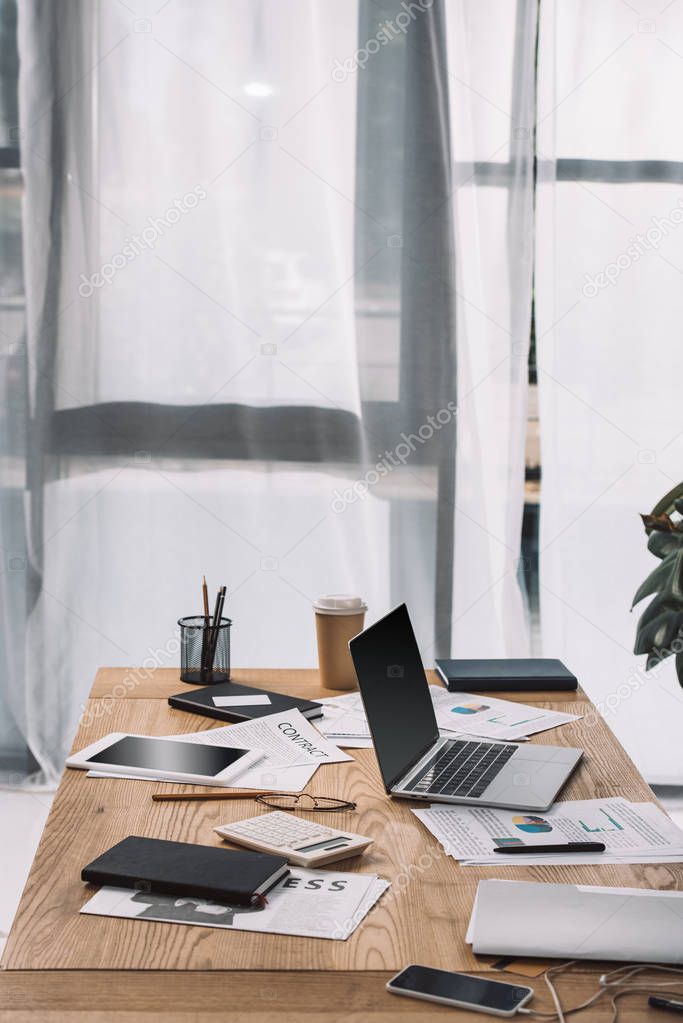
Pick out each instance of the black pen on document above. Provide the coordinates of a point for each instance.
(569, 847)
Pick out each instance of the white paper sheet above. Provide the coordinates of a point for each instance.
(492, 718)
(351, 742)
(258, 700)
(631, 832)
(309, 903)
(344, 717)
(294, 750)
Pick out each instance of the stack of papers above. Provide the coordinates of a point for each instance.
(314, 904)
(344, 721)
(294, 751)
(487, 717)
(631, 832)
(491, 718)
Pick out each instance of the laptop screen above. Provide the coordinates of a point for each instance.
(395, 693)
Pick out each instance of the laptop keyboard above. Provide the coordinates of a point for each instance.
(463, 768)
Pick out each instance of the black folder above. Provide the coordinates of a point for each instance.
(516, 675)
(181, 868)
(200, 701)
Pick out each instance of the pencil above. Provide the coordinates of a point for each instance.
(205, 597)
(185, 797)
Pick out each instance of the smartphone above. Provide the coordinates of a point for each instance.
(460, 990)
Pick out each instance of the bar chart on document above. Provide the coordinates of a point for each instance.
(605, 823)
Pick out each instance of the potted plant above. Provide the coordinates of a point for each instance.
(660, 627)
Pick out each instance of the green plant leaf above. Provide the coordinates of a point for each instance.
(661, 544)
(656, 580)
(658, 633)
(674, 586)
(654, 659)
(659, 606)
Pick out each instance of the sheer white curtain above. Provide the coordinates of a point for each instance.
(231, 327)
(609, 306)
(491, 50)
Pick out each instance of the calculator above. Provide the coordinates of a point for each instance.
(302, 842)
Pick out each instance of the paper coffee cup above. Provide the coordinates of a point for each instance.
(338, 618)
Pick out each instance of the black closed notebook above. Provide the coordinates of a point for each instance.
(518, 674)
(180, 868)
(200, 701)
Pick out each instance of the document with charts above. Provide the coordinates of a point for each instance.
(631, 832)
(344, 720)
(491, 718)
(309, 903)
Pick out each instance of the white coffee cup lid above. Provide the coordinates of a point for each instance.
(340, 604)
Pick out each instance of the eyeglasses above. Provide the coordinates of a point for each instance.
(303, 801)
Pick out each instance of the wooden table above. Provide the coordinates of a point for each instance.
(59, 965)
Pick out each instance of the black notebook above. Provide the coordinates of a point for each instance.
(200, 701)
(180, 868)
(520, 674)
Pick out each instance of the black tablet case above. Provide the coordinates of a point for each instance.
(514, 675)
(180, 868)
(200, 701)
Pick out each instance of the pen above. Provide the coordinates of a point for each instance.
(215, 628)
(664, 1003)
(570, 847)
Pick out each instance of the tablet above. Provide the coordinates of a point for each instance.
(166, 759)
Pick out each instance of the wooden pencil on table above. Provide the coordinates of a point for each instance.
(186, 797)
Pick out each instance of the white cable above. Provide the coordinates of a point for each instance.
(555, 997)
(615, 979)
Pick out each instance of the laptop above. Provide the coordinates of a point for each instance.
(418, 763)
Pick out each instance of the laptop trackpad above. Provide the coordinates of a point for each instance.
(531, 781)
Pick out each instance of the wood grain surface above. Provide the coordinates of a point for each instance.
(422, 918)
(264, 997)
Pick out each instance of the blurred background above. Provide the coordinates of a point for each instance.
(346, 296)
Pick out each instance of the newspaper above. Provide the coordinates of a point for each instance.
(308, 903)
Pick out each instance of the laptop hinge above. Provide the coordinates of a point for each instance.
(406, 770)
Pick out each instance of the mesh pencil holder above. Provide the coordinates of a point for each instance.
(204, 651)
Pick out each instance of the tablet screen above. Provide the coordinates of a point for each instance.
(167, 755)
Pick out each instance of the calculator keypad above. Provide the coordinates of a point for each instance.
(280, 831)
